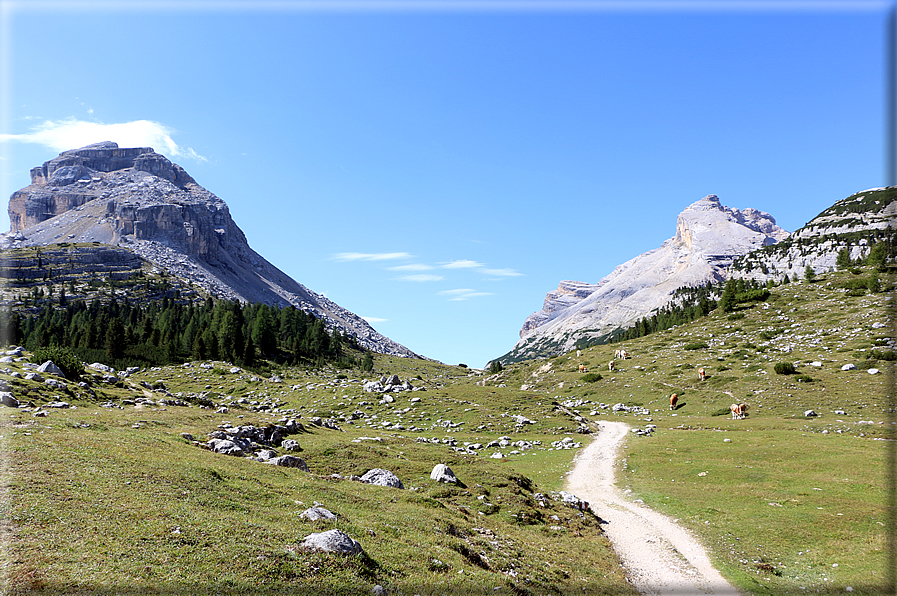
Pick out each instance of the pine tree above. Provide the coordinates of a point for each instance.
(115, 340)
(727, 300)
(843, 261)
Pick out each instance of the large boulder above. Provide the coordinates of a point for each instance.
(50, 368)
(225, 446)
(7, 399)
(443, 473)
(381, 477)
(332, 541)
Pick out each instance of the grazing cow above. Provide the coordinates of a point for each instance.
(616, 353)
(739, 411)
(624, 354)
(578, 353)
(610, 365)
(582, 368)
(673, 400)
(701, 373)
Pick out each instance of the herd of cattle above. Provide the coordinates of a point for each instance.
(739, 411)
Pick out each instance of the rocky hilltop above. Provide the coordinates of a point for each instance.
(854, 223)
(137, 199)
(708, 237)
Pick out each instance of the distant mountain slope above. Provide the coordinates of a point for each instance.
(138, 199)
(854, 223)
(708, 237)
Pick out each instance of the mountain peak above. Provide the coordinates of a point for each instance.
(136, 198)
(708, 237)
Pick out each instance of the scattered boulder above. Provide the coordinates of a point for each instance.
(7, 399)
(290, 445)
(443, 473)
(332, 541)
(810, 414)
(317, 512)
(33, 376)
(289, 461)
(849, 367)
(102, 368)
(381, 477)
(873, 371)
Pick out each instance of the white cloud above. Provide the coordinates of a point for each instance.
(366, 256)
(421, 277)
(373, 320)
(411, 267)
(71, 133)
(462, 294)
(501, 272)
(462, 264)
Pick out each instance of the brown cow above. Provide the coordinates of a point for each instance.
(701, 373)
(582, 368)
(739, 411)
(610, 365)
(673, 400)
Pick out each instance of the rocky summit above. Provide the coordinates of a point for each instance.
(137, 199)
(708, 237)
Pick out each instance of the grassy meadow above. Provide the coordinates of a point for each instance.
(108, 497)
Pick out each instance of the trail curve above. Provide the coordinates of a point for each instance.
(661, 557)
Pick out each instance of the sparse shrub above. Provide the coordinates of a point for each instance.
(495, 367)
(65, 359)
(803, 379)
(698, 345)
(591, 377)
(735, 316)
(889, 355)
(770, 333)
(720, 412)
(784, 368)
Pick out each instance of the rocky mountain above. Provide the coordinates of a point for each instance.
(708, 237)
(854, 223)
(137, 199)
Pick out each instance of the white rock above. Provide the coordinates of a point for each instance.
(873, 371)
(443, 473)
(849, 367)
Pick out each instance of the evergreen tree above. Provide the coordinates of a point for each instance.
(263, 331)
(249, 352)
(843, 261)
(115, 340)
(727, 300)
(809, 274)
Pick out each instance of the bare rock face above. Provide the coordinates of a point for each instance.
(137, 199)
(708, 237)
(854, 223)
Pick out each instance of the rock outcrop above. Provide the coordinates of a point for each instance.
(854, 223)
(137, 199)
(708, 237)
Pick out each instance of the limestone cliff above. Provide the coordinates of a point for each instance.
(138, 199)
(708, 237)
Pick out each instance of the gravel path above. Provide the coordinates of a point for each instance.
(660, 556)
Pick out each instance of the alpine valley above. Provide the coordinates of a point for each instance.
(168, 468)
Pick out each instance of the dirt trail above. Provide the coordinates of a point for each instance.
(660, 556)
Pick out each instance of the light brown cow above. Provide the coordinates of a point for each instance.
(701, 373)
(673, 400)
(739, 411)
(582, 368)
(610, 365)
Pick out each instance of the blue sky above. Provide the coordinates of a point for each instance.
(438, 167)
